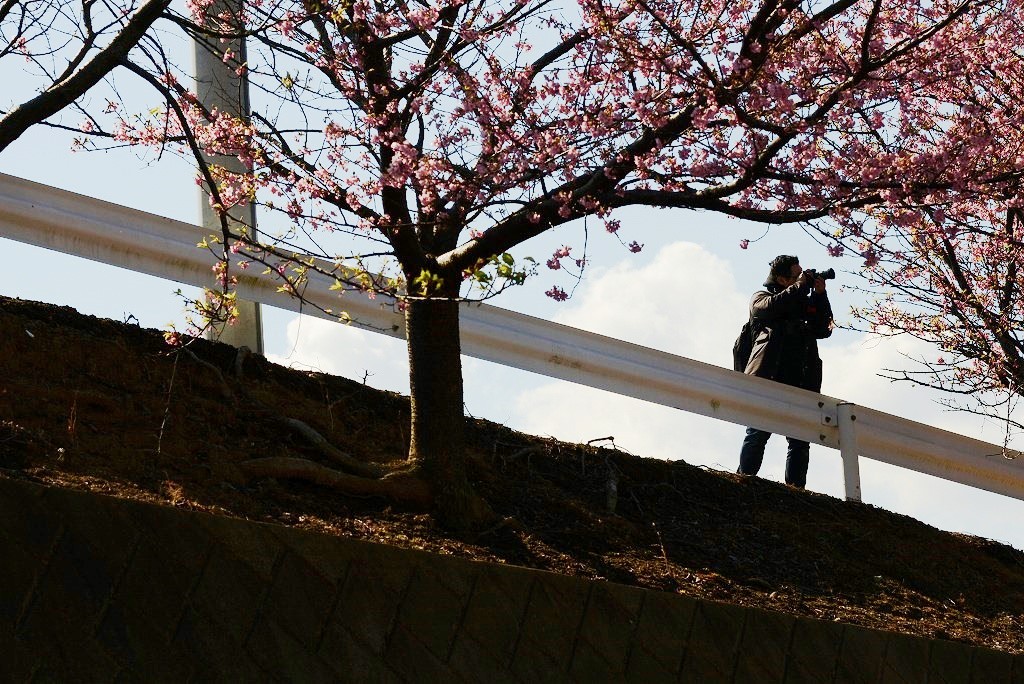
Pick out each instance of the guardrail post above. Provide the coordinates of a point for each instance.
(848, 449)
(219, 86)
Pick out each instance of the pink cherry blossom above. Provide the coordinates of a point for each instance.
(557, 293)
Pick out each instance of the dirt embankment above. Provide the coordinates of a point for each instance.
(95, 404)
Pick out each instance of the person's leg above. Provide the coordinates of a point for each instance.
(797, 457)
(752, 451)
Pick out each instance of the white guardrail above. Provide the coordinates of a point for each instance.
(75, 224)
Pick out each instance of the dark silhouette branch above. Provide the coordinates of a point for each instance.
(64, 92)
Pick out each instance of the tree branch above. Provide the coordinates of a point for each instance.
(60, 95)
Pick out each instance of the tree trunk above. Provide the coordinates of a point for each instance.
(437, 441)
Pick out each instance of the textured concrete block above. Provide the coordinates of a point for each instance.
(764, 647)
(713, 643)
(370, 598)
(156, 585)
(991, 667)
(67, 659)
(100, 536)
(1017, 672)
(228, 596)
(300, 599)
(213, 644)
(19, 660)
(141, 647)
(328, 555)
(659, 643)
(79, 566)
(861, 655)
(118, 591)
(251, 543)
(352, 660)
(550, 626)
(815, 650)
(72, 590)
(284, 657)
(609, 622)
(472, 660)
(435, 603)
(411, 657)
(906, 659)
(28, 523)
(19, 570)
(949, 663)
(495, 614)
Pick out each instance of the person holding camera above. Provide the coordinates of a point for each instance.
(787, 318)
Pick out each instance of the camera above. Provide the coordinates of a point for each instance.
(828, 274)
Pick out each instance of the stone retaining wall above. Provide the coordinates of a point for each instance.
(100, 589)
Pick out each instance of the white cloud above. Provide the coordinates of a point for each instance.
(581, 414)
(685, 302)
(330, 347)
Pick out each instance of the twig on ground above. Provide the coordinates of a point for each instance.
(664, 554)
(167, 406)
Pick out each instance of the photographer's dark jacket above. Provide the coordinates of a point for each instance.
(787, 324)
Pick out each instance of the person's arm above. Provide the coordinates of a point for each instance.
(766, 306)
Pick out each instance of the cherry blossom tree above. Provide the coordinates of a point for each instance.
(411, 147)
(943, 263)
(65, 49)
(951, 275)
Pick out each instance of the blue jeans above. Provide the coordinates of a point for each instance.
(797, 456)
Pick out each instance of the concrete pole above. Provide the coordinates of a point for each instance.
(219, 86)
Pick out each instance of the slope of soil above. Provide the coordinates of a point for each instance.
(95, 404)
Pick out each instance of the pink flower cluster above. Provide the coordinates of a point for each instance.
(557, 293)
(555, 262)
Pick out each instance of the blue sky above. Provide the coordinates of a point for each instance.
(686, 293)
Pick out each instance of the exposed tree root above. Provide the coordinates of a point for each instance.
(339, 457)
(402, 486)
(226, 392)
(455, 503)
